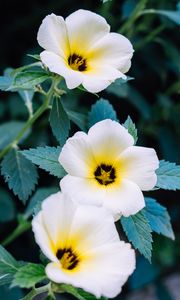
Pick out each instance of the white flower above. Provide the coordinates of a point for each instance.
(83, 51)
(83, 246)
(104, 168)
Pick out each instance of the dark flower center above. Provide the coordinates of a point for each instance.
(77, 62)
(105, 174)
(69, 260)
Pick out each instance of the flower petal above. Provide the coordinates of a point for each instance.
(140, 165)
(84, 29)
(59, 66)
(83, 190)
(76, 156)
(126, 200)
(52, 35)
(100, 77)
(113, 49)
(108, 139)
(103, 275)
(57, 213)
(42, 237)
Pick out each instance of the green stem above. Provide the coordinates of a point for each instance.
(20, 229)
(37, 291)
(128, 25)
(31, 120)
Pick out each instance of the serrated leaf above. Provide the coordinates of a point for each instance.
(158, 218)
(47, 159)
(168, 176)
(7, 207)
(138, 231)
(28, 275)
(37, 198)
(59, 122)
(20, 174)
(27, 80)
(8, 266)
(130, 126)
(9, 131)
(101, 110)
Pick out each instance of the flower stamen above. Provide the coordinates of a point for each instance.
(69, 260)
(77, 63)
(105, 174)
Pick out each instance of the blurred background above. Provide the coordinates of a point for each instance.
(151, 99)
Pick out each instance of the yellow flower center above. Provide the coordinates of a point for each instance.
(69, 260)
(105, 174)
(77, 62)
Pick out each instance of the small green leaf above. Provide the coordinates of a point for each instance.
(130, 126)
(59, 122)
(20, 174)
(37, 198)
(8, 266)
(27, 80)
(158, 218)
(5, 82)
(101, 110)
(47, 159)
(9, 131)
(138, 231)
(7, 207)
(28, 275)
(168, 176)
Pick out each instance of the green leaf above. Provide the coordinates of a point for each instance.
(130, 126)
(7, 207)
(27, 80)
(77, 292)
(138, 231)
(101, 110)
(6, 79)
(121, 81)
(37, 198)
(78, 118)
(8, 266)
(168, 176)
(158, 218)
(59, 122)
(47, 159)
(9, 131)
(29, 275)
(20, 174)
